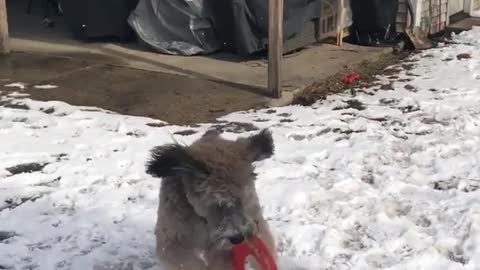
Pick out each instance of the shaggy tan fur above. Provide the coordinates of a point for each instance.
(207, 199)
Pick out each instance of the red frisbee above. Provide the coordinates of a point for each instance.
(255, 248)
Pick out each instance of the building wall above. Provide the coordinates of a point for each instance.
(475, 5)
(456, 6)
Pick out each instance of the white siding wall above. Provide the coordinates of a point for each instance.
(472, 5)
(455, 6)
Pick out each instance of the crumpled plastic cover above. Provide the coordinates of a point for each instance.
(190, 27)
(178, 27)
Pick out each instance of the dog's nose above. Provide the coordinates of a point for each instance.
(236, 239)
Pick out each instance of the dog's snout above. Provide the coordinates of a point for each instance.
(236, 239)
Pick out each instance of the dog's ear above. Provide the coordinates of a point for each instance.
(259, 146)
(174, 160)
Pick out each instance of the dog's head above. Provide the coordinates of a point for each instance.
(218, 180)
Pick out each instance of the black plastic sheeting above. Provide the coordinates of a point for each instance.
(374, 15)
(191, 27)
(374, 22)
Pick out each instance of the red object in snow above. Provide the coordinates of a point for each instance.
(350, 79)
(255, 248)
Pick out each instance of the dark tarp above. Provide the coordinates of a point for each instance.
(189, 27)
(374, 15)
(374, 21)
(180, 27)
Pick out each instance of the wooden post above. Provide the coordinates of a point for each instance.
(340, 18)
(275, 47)
(4, 39)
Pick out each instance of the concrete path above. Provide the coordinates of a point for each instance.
(83, 81)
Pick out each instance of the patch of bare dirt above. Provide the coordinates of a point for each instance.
(367, 70)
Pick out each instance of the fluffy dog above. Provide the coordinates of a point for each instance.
(208, 201)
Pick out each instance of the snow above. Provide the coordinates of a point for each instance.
(45, 86)
(16, 85)
(391, 184)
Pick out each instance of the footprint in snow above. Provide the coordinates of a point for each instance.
(186, 132)
(26, 168)
(129, 263)
(4, 235)
(77, 134)
(444, 185)
(49, 110)
(136, 133)
(235, 127)
(284, 114)
(389, 101)
(423, 222)
(51, 183)
(351, 104)
(20, 119)
(124, 164)
(12, 203)
(271, 111)
(469, 185)
(14, 105)
(409, 108)
(60, 157)
(261, 120)
(458, 256)
(463, 56)
(156, 125)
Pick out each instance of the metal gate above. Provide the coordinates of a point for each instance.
(434, 15)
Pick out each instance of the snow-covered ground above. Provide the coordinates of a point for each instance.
(388, 179)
